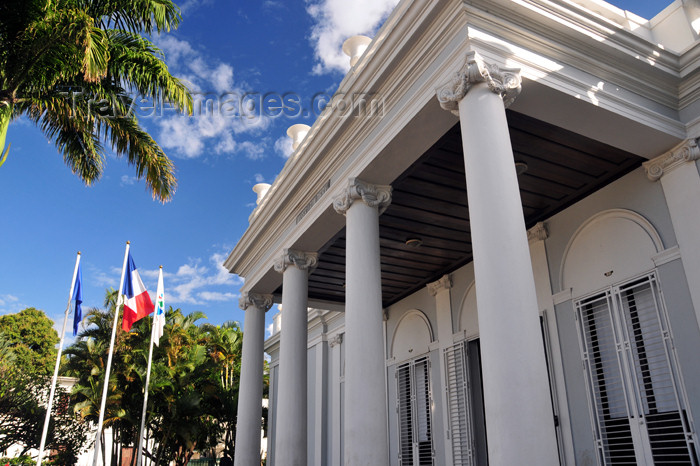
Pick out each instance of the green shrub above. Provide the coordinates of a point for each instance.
(24, 460)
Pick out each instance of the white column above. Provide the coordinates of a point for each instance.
(250, 393)
(290, 444)
(519, 420)
(681, 184)
(366, 442)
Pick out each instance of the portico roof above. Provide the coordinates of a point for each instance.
(430, 204)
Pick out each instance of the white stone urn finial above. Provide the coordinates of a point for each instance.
(297, 133)
(261, 189)
(355, 46)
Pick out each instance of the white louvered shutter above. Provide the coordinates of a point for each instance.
(414, 413)
(637, 402)
(458, 404)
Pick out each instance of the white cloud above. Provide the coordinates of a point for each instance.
(195, 283)
(336, 20)
(217, 296)
(252, 150)
(259, 178)
(268, 330)
(190, 5)
(283, 147)
(7, 299)
(127, 180)
(10, 304)
(218, 116)
(273, 4)
(180, 133)
(174, 49)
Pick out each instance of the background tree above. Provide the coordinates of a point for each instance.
(73, 66)
(27, 358)
(194, 382)
(32, 339)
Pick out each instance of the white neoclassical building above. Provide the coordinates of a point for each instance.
(487, 250)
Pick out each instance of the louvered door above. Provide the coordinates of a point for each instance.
(414, 414)
(636, 400)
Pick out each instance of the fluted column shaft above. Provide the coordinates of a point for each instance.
(291, 442)
(366, 442)
(249, 421)
(519, 418)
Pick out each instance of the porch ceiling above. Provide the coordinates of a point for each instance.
(430, 203)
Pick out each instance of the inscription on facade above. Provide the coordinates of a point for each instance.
(313, 201)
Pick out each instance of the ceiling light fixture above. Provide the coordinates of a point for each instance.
(520, 168)
(414, 242)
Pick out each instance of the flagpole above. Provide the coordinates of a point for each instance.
(109, 360)
(148, 376)
(45, 432)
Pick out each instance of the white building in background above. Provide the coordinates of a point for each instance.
(539, 306)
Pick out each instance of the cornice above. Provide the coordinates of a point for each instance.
(690, 59)
(505, 82)
(572, 35)
(577, 82)
(687, 151)
(378, 196)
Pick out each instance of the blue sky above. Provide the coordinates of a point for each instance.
(223, 47)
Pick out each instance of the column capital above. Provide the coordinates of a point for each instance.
(260, 301)
(537, 233)
(301, 260)
(506, 82)
(336, 340)
(687, 151)
(373, 195)
(444, 283)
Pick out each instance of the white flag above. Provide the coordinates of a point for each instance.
(159, 315)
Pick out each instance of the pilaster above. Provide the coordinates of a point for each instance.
(677, 171)
(540, 266)
(441, 290)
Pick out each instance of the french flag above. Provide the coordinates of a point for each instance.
(137, 303)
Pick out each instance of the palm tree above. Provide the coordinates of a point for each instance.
(225, 343)
(73, 66)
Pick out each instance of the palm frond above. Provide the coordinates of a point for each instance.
(136, 61)
(71, 128)
(141, 151)
(50, 49)
(135, 15)
(96, 55)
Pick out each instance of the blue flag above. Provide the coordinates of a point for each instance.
(78, 297)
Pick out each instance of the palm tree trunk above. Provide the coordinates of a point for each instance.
(5, 117)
